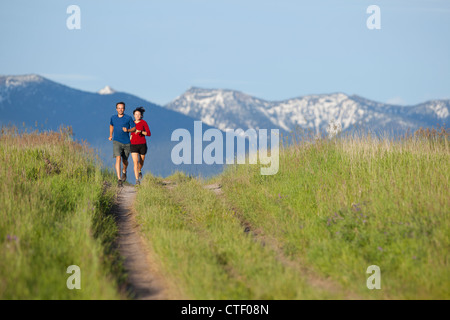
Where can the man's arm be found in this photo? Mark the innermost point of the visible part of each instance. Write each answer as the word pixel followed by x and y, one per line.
pixel 132 126
pixel 111 129
pixel 129 130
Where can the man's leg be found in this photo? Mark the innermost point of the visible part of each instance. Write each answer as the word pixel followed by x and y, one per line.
pixel 125 166
pixel 119 180
pixel 125 155
pixel 117 152
pixel 118 167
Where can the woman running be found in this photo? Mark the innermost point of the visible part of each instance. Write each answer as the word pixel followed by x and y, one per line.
pixel 138 143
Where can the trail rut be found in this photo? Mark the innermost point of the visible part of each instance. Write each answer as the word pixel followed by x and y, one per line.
pixel 143 281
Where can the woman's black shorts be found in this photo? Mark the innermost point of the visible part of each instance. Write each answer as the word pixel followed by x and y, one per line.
pixel 139 148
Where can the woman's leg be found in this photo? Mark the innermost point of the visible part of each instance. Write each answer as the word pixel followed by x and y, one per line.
pixel 141 161
pixel 141 164
pixel 136 163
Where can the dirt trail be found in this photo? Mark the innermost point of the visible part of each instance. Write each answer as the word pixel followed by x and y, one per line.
pixel 143 280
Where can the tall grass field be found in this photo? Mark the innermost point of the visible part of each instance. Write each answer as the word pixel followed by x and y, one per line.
pixel 336 207
pixel 53 215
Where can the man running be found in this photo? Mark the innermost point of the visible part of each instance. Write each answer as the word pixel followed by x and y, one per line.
pixel 120 125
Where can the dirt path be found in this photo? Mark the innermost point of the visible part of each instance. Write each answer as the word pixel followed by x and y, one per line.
pixel 143 281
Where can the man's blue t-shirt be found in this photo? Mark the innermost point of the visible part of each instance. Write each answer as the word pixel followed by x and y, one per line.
pixel 118 123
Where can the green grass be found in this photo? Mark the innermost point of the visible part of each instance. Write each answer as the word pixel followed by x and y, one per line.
pixel 203 247
pixel 334 208
pixel 344 205
pixel 53 215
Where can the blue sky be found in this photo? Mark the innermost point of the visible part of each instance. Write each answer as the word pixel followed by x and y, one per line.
pixel 274 50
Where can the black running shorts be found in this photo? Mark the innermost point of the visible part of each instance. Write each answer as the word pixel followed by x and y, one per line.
pixel 139 148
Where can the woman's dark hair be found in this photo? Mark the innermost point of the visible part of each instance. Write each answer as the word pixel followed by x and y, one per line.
pixel 141 110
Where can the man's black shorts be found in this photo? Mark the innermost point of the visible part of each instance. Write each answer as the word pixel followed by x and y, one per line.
pixel 139 148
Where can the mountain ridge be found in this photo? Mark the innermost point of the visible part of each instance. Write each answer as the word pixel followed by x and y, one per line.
pixel 219 106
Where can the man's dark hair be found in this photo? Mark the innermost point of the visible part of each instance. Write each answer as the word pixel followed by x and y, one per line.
pixel 141 110
pixel 120 103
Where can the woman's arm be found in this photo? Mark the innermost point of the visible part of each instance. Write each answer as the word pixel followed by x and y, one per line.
pixel 147 130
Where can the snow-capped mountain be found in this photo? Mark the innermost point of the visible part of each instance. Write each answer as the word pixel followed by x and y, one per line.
pixel 233 109
pixel 223 108
pixel 107 90
pixel 7 83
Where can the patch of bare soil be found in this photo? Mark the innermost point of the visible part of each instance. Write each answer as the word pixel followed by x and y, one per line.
pixel 143 281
